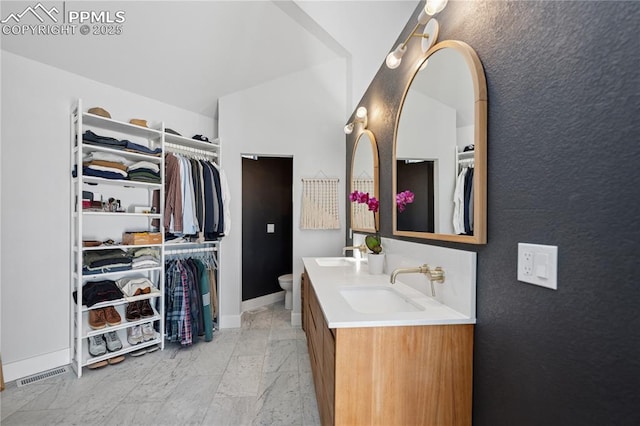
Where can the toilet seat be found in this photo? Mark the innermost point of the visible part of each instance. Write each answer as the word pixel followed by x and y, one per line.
pixel 286 277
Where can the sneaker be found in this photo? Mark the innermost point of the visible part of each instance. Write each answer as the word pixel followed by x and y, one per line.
pixel 97 319
pixel 134 335
pixel 112 316
pixel 148 333
pixel 97 346
pixel 146 311
pixel 113 341
pixel 132 313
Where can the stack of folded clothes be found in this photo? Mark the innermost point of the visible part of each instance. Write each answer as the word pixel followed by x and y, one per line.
pixel 144 171
pixel 91 138
pixel 102 261
pixel 136 286
pixel 141 149
pixel 144 257
pixel 98 291
pixel 104 165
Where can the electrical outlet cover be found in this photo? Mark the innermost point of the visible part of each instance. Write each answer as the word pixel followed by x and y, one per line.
pixel 538 264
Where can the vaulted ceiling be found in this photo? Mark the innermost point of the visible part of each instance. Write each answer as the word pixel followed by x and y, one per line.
pixel 189 53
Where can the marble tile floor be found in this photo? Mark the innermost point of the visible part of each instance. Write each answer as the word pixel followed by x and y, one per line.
pixel 255 375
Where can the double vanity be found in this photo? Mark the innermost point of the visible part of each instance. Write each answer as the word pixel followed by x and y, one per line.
pixel 389 354
pixel 382 353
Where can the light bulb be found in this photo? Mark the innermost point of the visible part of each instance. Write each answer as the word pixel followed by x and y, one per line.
pixel 361 112
pixel 348 128
pixel 394 58
pixel 434 6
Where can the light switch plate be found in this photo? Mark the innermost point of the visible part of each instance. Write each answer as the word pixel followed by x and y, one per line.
pixel 538 264
pixel 271 228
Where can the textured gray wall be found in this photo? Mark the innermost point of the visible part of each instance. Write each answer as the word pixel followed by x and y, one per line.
pixel 564 158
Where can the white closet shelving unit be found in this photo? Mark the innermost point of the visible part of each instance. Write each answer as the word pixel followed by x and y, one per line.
pixel 464 159
pixel 104 225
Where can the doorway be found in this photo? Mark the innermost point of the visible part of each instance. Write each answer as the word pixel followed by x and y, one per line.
pixel 417 176
pixel 267 223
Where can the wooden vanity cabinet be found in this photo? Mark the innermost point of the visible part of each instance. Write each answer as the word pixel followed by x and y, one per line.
pixel 404 375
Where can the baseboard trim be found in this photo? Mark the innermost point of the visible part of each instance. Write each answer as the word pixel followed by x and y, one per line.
pixel 27 367
pixel 258 302
pixel 296 319
pixel 230 321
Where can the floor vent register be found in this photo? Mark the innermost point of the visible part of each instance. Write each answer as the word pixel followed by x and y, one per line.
pixel 42 376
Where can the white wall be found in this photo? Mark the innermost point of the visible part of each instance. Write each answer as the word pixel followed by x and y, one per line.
pixel 35 189
pixel 366 29
pixel 299 115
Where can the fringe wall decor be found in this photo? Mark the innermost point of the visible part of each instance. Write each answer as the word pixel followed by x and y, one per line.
pixel 319 204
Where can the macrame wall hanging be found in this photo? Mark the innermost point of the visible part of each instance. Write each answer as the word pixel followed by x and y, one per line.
pixel 319 203
pixel 363 218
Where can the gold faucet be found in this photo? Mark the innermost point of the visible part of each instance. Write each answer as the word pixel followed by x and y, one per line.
pixel 434 274
pixel 362 247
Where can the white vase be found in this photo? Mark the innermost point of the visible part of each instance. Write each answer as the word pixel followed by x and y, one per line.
pixel 375 263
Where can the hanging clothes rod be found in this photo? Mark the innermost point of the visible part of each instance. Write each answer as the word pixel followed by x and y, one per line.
pixel 188 149
pixel 192 250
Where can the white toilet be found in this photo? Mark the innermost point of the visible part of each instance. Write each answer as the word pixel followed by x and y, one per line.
pixel 286 282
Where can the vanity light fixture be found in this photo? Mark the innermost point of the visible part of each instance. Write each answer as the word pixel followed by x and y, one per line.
pixel 361 117
pixel 429 35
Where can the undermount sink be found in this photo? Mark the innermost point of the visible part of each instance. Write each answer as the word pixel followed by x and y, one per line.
pixel 335 261
pixel 378 300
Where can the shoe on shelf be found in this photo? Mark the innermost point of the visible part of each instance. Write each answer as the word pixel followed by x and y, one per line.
pixel 113 341
pixel 97 364
pixel 148 333
pixel 112 316
pixel 146 311
pixel 152 348
pixel 97 345
pixel 132 312
pixel 97 319
pixel 116 360
pixel 139 352
pixel 134 335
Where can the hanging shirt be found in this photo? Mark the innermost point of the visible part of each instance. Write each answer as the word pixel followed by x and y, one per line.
pixel 189 225
pixel 458 203
pixel 173 194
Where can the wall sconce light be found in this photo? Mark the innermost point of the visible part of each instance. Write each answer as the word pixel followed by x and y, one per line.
pixel 429 35
pixel 361 117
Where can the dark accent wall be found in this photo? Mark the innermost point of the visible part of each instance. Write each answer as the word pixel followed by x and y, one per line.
pixel 563 157
pixel 267 185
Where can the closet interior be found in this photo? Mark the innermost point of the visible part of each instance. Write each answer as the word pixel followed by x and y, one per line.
pixel 148 213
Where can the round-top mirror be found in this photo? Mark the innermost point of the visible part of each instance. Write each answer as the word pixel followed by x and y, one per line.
pixel 440 148
pixel 364 178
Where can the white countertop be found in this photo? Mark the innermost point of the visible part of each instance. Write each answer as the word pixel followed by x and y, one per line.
pixel 328 281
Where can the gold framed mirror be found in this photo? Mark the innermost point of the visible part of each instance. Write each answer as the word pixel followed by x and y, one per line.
pixel 364 178
pixel 440 148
